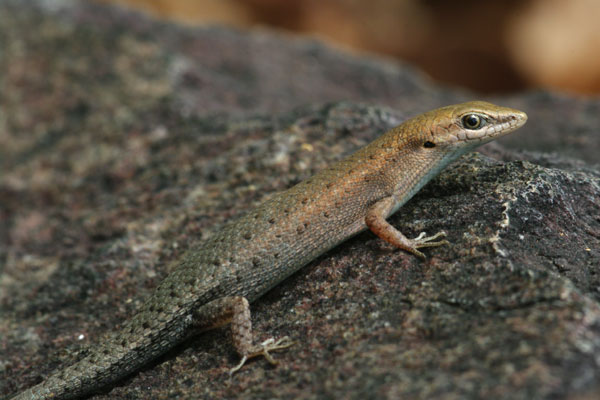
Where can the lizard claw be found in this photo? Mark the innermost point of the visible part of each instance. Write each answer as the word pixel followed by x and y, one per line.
pixel 428 241
pixel 263 350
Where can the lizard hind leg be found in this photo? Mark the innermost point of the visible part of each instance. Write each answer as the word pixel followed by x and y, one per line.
pixel 236 309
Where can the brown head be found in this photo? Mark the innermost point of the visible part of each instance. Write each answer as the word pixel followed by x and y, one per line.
pixel 421 147
pixel 465 126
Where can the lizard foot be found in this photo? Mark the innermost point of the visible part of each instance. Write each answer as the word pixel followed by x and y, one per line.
pixel 263 350
pixel 427 241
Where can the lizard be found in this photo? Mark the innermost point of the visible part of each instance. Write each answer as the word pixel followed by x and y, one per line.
pixel 213 283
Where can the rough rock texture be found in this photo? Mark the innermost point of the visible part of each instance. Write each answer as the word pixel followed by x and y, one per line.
pixel 123 140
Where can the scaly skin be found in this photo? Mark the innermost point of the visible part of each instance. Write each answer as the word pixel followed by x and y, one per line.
pixel 216 279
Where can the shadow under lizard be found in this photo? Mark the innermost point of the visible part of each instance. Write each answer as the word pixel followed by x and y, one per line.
pixel 214 281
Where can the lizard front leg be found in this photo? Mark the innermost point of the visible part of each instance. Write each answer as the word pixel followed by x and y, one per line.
pixel 236 309
pixel 375 220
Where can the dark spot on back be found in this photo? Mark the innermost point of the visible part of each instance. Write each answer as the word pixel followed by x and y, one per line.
pixel 247 236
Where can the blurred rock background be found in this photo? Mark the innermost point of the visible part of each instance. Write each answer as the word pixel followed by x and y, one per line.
pixel 492 46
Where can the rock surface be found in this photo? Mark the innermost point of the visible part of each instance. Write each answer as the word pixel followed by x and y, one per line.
pixel 124 140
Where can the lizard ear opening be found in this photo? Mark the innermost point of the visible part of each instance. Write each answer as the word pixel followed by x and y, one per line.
pixel 428 144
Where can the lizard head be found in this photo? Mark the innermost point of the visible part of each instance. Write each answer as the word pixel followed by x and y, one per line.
pixel 468 125
pixel 430 141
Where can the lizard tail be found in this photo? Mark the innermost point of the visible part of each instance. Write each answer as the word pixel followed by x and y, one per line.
pixel 123 353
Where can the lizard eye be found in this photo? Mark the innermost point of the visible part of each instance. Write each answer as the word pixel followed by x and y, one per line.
pixel 472 121
pixel 428 144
